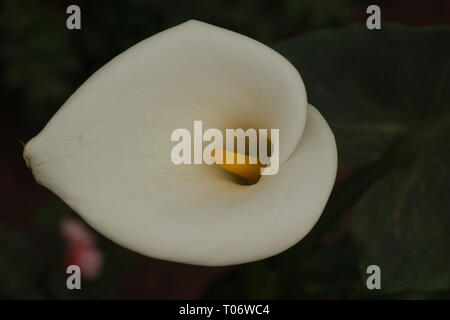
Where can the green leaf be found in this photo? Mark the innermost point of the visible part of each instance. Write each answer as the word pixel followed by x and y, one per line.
pixel 374 87
pixel 404 225
pixel 386 95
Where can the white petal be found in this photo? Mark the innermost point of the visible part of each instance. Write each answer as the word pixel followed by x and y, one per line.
pixel 106 152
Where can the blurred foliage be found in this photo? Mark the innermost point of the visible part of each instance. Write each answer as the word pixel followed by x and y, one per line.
pixel 36 58
pixel 43 62
pixel 32 262
pixel 384 93
pixel 386 96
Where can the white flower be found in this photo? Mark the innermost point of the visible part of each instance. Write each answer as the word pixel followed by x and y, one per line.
pixel 106 152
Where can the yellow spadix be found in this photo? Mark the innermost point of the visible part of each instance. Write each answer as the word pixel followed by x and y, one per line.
pixel 244 166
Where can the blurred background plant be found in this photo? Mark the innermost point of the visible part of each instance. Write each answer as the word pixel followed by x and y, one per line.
pixel 385 94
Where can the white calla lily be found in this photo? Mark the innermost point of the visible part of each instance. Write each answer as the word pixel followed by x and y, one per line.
pixel 106 152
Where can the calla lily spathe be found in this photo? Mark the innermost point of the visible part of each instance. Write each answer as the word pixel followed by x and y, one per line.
pixel 106 152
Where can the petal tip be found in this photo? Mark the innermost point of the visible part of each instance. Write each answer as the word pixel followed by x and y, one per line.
pixel 26 154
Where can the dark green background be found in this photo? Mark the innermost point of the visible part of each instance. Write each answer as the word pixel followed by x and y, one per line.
pixel 386 95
